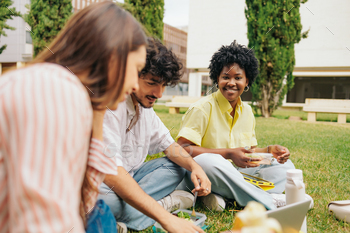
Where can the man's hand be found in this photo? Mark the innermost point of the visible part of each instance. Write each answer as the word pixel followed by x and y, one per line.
pixel 126 188
pixel 237 155
pixel 178 155
pixel 281 153
pixel 178 225
pixel 204 188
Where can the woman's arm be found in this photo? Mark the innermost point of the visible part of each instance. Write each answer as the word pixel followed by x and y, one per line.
pixel 281 153
pixel 237 155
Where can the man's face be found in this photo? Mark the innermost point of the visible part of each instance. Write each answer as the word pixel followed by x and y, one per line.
pixel 150 89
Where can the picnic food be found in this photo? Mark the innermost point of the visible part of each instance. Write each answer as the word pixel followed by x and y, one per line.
pixel 185 216
pixel 253 219
pixel 266 158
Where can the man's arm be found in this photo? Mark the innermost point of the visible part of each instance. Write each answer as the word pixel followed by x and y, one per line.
pixel 237 155
pixel 178 155
pixel 127 188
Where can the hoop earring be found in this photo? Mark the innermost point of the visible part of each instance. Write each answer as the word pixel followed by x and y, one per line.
pixel 246 89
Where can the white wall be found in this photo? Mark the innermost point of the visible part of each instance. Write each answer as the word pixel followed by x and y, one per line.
pixel 215 23
pixel 15 40
pixel 322 48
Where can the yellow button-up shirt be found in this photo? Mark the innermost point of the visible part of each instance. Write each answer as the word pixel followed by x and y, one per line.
pixel 208 123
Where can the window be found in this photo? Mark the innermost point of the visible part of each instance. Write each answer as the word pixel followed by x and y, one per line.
pixel 28 38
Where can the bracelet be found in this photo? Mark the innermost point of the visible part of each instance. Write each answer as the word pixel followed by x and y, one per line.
pixel 268 148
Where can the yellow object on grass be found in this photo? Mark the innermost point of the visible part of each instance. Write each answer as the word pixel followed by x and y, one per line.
pixel 253 219
pixel 259 182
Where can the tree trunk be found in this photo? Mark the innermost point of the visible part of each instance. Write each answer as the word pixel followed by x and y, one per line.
pixel 265 102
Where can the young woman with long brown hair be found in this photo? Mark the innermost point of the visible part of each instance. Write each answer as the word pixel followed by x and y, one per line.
pixel 51 114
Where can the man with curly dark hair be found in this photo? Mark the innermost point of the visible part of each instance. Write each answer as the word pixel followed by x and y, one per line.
pixel 220 129
pixel 143 191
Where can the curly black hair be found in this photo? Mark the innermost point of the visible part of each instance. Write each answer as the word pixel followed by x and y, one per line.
pixel 234 53
pixel 162 62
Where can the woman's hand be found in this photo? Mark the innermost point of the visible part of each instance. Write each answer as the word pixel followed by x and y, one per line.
pixel 281 153
pixel 237 155
pixel 97 124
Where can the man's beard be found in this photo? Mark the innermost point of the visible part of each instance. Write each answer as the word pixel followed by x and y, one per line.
pixel 140 102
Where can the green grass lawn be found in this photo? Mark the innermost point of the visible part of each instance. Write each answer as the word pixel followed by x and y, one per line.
pixel 321 150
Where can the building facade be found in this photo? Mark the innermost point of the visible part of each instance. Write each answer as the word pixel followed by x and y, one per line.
pixel 322 67
pixel 19 42
pixel 176 39
pixel 80 4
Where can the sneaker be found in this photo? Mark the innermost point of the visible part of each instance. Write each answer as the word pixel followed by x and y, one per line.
pixel 177 200
pixel 121 227
pixel 279 200
pixel 214 202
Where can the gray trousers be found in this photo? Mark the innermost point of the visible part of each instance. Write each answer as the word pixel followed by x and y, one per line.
pixel 229 183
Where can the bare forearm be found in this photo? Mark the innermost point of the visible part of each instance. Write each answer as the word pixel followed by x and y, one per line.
pixel 180 156
pixel 194 150
pixel 126 188
pixel 237 155
pixel 260 150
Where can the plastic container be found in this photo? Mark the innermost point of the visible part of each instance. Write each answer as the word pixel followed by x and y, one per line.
pixel 157 228
pixel 295 190
pixel 266 158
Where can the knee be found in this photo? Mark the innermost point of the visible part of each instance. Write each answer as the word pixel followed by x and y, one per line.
pixel 289 164
pixel 175 169
pixel 181 172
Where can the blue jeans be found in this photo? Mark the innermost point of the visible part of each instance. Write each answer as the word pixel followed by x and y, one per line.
pixel 101 219
pixel 158 178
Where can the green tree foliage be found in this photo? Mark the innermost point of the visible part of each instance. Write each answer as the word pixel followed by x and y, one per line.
pixel 273 28
pixel 149 13
pixel 47 18
pixel 6 13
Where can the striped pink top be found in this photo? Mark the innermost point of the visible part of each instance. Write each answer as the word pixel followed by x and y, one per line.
pixel 45 148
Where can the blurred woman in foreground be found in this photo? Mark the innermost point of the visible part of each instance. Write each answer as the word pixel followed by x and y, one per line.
pixel 51 115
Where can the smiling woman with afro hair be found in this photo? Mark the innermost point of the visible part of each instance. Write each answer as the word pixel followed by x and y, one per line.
pixel 219 131
pixel 234 53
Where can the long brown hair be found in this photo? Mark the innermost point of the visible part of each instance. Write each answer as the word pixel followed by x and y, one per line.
pixel 90 39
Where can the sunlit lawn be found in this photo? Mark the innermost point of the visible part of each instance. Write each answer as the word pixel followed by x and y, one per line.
pixel 321 150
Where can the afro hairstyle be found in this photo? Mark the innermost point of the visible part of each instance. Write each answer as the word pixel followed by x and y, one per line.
pixel 234 53
pixel 161 62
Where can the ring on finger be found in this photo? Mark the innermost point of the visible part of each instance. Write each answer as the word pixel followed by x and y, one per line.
pixel 207 189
